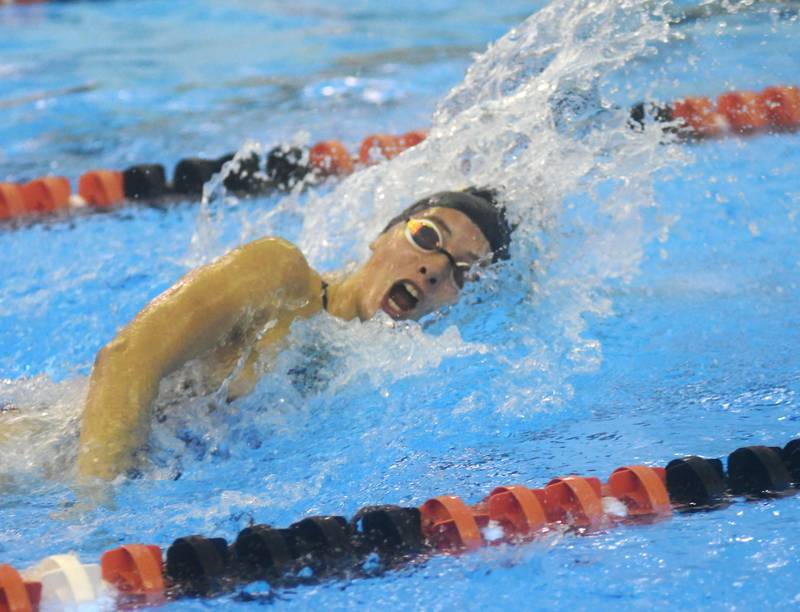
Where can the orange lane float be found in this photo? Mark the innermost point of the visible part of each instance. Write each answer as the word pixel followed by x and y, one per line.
pixel 377 147
pixel 17 595
pixel 413 138
pixel 782 105
pixel 745 111
pixel 519 510
pixel 642 489
pixel 12 201
pixel 135 570
pixel 449 523
pixel 48 194
pixel 101 188
pixel 574 500
pixel 699 117
pixel 330 158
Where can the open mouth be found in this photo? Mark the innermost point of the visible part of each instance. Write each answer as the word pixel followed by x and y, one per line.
pixel 401 299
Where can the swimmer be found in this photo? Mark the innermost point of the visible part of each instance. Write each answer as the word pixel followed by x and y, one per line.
pixel 233 313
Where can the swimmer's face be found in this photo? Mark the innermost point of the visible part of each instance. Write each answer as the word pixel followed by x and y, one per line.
pixel 420 266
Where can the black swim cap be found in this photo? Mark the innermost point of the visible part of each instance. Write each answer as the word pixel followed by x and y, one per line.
pixel 480 205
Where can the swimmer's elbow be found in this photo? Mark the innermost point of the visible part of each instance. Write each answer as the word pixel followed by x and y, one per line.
pixel 125 365
pixel 106 359
pixel 102 358
pixel 117 347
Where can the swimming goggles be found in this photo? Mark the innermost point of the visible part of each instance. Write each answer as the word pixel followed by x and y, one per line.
pixel 424 235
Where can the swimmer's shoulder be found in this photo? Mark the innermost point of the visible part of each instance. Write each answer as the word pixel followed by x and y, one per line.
pixel 271 249
pixel 276 262
pixel 271 255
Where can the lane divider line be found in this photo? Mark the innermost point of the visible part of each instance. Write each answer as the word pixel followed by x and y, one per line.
pixel 379 538
pixel 775 109
pixel 285 168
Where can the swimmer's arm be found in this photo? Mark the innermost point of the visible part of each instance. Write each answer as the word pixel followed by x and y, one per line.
pixel 247 285
pixel 262 356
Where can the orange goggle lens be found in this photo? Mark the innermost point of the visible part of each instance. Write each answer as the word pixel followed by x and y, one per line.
pixel 423 234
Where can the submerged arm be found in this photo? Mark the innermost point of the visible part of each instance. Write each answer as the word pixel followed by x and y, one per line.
pixel 262 281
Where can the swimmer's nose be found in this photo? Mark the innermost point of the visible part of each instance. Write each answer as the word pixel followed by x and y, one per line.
pixel 430 278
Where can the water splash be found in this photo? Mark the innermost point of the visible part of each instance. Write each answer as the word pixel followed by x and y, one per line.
pixel 39 428
pixel 531 118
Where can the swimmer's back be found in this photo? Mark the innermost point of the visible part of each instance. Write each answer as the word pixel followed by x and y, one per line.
pixel 247 298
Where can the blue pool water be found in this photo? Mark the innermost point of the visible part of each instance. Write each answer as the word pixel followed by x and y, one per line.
pixel 650 309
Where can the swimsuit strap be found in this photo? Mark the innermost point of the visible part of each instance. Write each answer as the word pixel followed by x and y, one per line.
pixel 324 295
